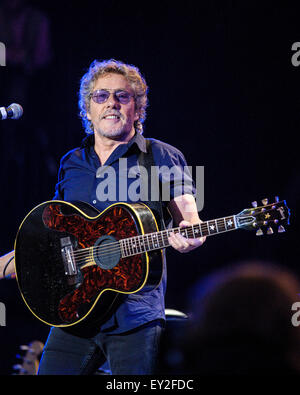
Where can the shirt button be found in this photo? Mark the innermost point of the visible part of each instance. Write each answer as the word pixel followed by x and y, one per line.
pixel 94 201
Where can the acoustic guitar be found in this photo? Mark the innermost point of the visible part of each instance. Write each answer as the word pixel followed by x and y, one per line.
pixel 73 263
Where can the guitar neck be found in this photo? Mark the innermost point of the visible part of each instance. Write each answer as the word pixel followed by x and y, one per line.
pixel 159 240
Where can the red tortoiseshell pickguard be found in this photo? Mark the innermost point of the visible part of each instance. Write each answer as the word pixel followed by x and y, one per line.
pixel 126 276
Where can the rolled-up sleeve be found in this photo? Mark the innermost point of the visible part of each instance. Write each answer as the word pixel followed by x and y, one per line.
pixel 174 174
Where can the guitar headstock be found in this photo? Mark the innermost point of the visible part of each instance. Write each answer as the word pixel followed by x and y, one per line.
pixel 265 219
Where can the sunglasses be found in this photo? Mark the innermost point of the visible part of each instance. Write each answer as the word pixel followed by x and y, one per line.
pixel 102 95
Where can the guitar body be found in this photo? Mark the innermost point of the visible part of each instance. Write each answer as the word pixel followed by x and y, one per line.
pixel 73 263
pixel 62 291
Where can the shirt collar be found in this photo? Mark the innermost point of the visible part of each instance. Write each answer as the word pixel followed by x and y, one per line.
pixel 140 141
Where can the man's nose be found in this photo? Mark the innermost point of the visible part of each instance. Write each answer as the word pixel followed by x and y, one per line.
pixel 112 101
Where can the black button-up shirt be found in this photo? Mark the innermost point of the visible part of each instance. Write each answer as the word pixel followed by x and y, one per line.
pixel 82 177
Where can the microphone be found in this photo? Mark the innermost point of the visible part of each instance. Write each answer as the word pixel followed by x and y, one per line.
pixel 14 111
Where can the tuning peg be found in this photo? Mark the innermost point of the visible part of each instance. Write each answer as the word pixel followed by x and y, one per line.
pixel 259 232
pixel 276 199
pixel 270 231
pixel 264 201
pixel 254 204
pixel 281 229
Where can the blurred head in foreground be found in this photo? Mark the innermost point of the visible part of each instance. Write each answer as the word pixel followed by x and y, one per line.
pixel 241 322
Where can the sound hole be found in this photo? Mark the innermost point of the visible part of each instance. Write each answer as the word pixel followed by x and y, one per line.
pixel 107 252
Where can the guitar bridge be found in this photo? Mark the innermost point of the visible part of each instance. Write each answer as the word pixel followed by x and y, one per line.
pixel 70 267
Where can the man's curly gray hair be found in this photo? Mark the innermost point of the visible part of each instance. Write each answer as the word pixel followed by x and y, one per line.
pixel 101 68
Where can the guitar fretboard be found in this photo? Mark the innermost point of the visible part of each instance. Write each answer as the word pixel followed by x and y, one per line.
pixel 158 240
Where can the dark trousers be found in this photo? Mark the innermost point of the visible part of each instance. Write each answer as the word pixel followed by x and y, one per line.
pixel 133 352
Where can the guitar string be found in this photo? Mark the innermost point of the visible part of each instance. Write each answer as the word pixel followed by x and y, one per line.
pixel 116 246
pixel 189 232
pixel 84 256
pixel 107 249
pixel 110 246
pixel 137 239
pixel 87 257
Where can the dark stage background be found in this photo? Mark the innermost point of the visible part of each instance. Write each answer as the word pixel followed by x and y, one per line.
pixel 222 89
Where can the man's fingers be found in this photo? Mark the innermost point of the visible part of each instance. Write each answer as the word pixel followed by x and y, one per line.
pixel 184 224
pixel 179 242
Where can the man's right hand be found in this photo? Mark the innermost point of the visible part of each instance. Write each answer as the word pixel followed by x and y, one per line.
pixel 10 269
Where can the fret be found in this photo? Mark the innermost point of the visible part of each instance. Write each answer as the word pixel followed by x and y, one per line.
pixel 212 227
pixel 168 231
pixel 221 224
pixel 153 241
pixel 159 239
pixel 193 230
pixel 204 229
pixel 133 245
pixel 125 246
pixel 140 243
pixel 148 241
pixel 183 232
pixel 144 240
pixel 156 240
pixel 165 238
pixel 235 223
pixel 229 223
pixel 208 229
pixel 197 230
pixel 122 248
pixel 188 232
pixel 162 238
pixel 128 247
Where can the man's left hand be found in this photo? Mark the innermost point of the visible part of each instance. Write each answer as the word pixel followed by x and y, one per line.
pixel 183 244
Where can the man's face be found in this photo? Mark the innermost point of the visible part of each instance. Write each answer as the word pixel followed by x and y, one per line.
pixel 113 119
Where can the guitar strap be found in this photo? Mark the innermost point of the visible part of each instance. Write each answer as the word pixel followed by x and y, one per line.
pixel 147 161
